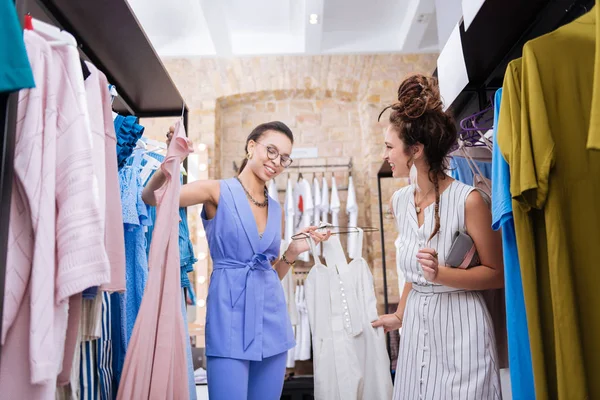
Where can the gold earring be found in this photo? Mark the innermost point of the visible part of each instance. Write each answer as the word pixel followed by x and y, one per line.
pixel 249 156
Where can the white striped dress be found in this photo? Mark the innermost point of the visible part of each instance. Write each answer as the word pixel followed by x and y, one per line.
pixel 447 345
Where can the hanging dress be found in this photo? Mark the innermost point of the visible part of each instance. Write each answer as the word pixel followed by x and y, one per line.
pixel 349 355
pixel 447 345
pixel 155 364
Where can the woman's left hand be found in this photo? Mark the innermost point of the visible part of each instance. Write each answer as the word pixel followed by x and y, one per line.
pixel 428 258
pixel 299 246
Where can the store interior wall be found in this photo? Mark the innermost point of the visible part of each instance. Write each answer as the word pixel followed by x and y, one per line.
pixel 337 97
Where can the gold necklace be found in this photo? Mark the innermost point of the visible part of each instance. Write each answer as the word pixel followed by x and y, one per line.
pixel 418 202
pixel 256 203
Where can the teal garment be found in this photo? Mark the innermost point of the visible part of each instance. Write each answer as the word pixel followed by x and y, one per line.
pixel 15 71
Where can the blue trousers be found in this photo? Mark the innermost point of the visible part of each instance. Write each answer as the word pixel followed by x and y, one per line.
pixel 231 379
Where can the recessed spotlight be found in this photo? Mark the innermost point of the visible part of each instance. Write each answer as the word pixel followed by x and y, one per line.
pixel 201 279
pixel 201 147
pixel 201 303
pixel 314 19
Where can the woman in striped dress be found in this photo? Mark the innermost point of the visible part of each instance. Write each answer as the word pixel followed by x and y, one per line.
pixel 447 345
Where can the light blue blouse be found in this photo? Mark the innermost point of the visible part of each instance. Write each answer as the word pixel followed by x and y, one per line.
pixel 247 317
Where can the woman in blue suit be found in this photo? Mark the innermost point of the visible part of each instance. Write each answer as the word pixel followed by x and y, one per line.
pixel 248 331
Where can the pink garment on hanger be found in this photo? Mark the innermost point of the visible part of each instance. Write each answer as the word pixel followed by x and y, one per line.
pixel 56 246
pixel 155 364
pixel 106 168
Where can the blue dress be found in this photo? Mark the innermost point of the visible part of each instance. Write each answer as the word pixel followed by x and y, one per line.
pixel 247 317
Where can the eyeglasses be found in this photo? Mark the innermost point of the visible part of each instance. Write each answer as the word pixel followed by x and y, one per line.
pixel 273 153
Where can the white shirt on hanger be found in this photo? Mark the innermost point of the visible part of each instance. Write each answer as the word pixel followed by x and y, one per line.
pixel 273 192
pixel 334 204
pixel 303 218
pixel 289 293
pixel 325 201
pixel 298 347
pixel 317 209
pixel 290 212
pixel 350 356
pixel 352 211
pixel 305 344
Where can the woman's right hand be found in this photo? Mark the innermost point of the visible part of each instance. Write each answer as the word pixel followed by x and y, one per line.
pixel 390 322
pixel 170 133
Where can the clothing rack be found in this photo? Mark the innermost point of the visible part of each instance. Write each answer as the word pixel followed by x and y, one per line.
pixel 110 36
pixel 325 166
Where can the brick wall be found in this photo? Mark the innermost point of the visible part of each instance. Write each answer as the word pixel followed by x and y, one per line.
pixel 330 102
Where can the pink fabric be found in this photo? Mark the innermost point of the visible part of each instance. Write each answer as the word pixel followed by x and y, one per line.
pixel 106 171
pixel 115 244
pixel 56 248
pixel 155 364
pixel 71 342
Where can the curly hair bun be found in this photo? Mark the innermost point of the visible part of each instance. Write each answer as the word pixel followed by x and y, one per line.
pixel 417 95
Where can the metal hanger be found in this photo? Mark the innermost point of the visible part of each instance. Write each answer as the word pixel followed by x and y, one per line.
pixel 344 230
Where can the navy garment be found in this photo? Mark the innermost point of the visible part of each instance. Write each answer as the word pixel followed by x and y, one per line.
pixel 247 317
pixel 519 351
pixel 460 170
pixel 128 133
pixel 15 70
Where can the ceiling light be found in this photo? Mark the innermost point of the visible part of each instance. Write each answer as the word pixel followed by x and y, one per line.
pixel 314 19
pixel 201 279
pixel 201 303
pixel 203 167
pixel 201 147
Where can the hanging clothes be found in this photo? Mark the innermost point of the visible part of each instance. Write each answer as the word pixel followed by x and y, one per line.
pixel 155 365
pixel 188 350
pixel 350 357
pixel 325 202
pixel 334 204
pixel 290 212
pixel 303 199
pixel 288 292
pixel 15 70
pixel 303 345
pixel 187 257
pixel 317 209
pixel 273 192
pixel 129 131
pixel 443 327
pixel 559 229
pixel 593 141
pixel 352 211
pixel 519 351
pixel 105 164
pixel 135 220
pixel 55 247
pixel 461 171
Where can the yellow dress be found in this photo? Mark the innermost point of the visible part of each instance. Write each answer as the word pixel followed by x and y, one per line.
pixel 594 134
pixel 554 181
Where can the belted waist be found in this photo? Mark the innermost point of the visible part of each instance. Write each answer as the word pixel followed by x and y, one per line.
pixel 246 282
pixel 435 289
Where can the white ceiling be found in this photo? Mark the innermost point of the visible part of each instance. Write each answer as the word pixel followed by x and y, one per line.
pixel 225 28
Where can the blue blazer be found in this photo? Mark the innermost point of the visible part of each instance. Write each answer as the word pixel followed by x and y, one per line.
pixel 247 315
